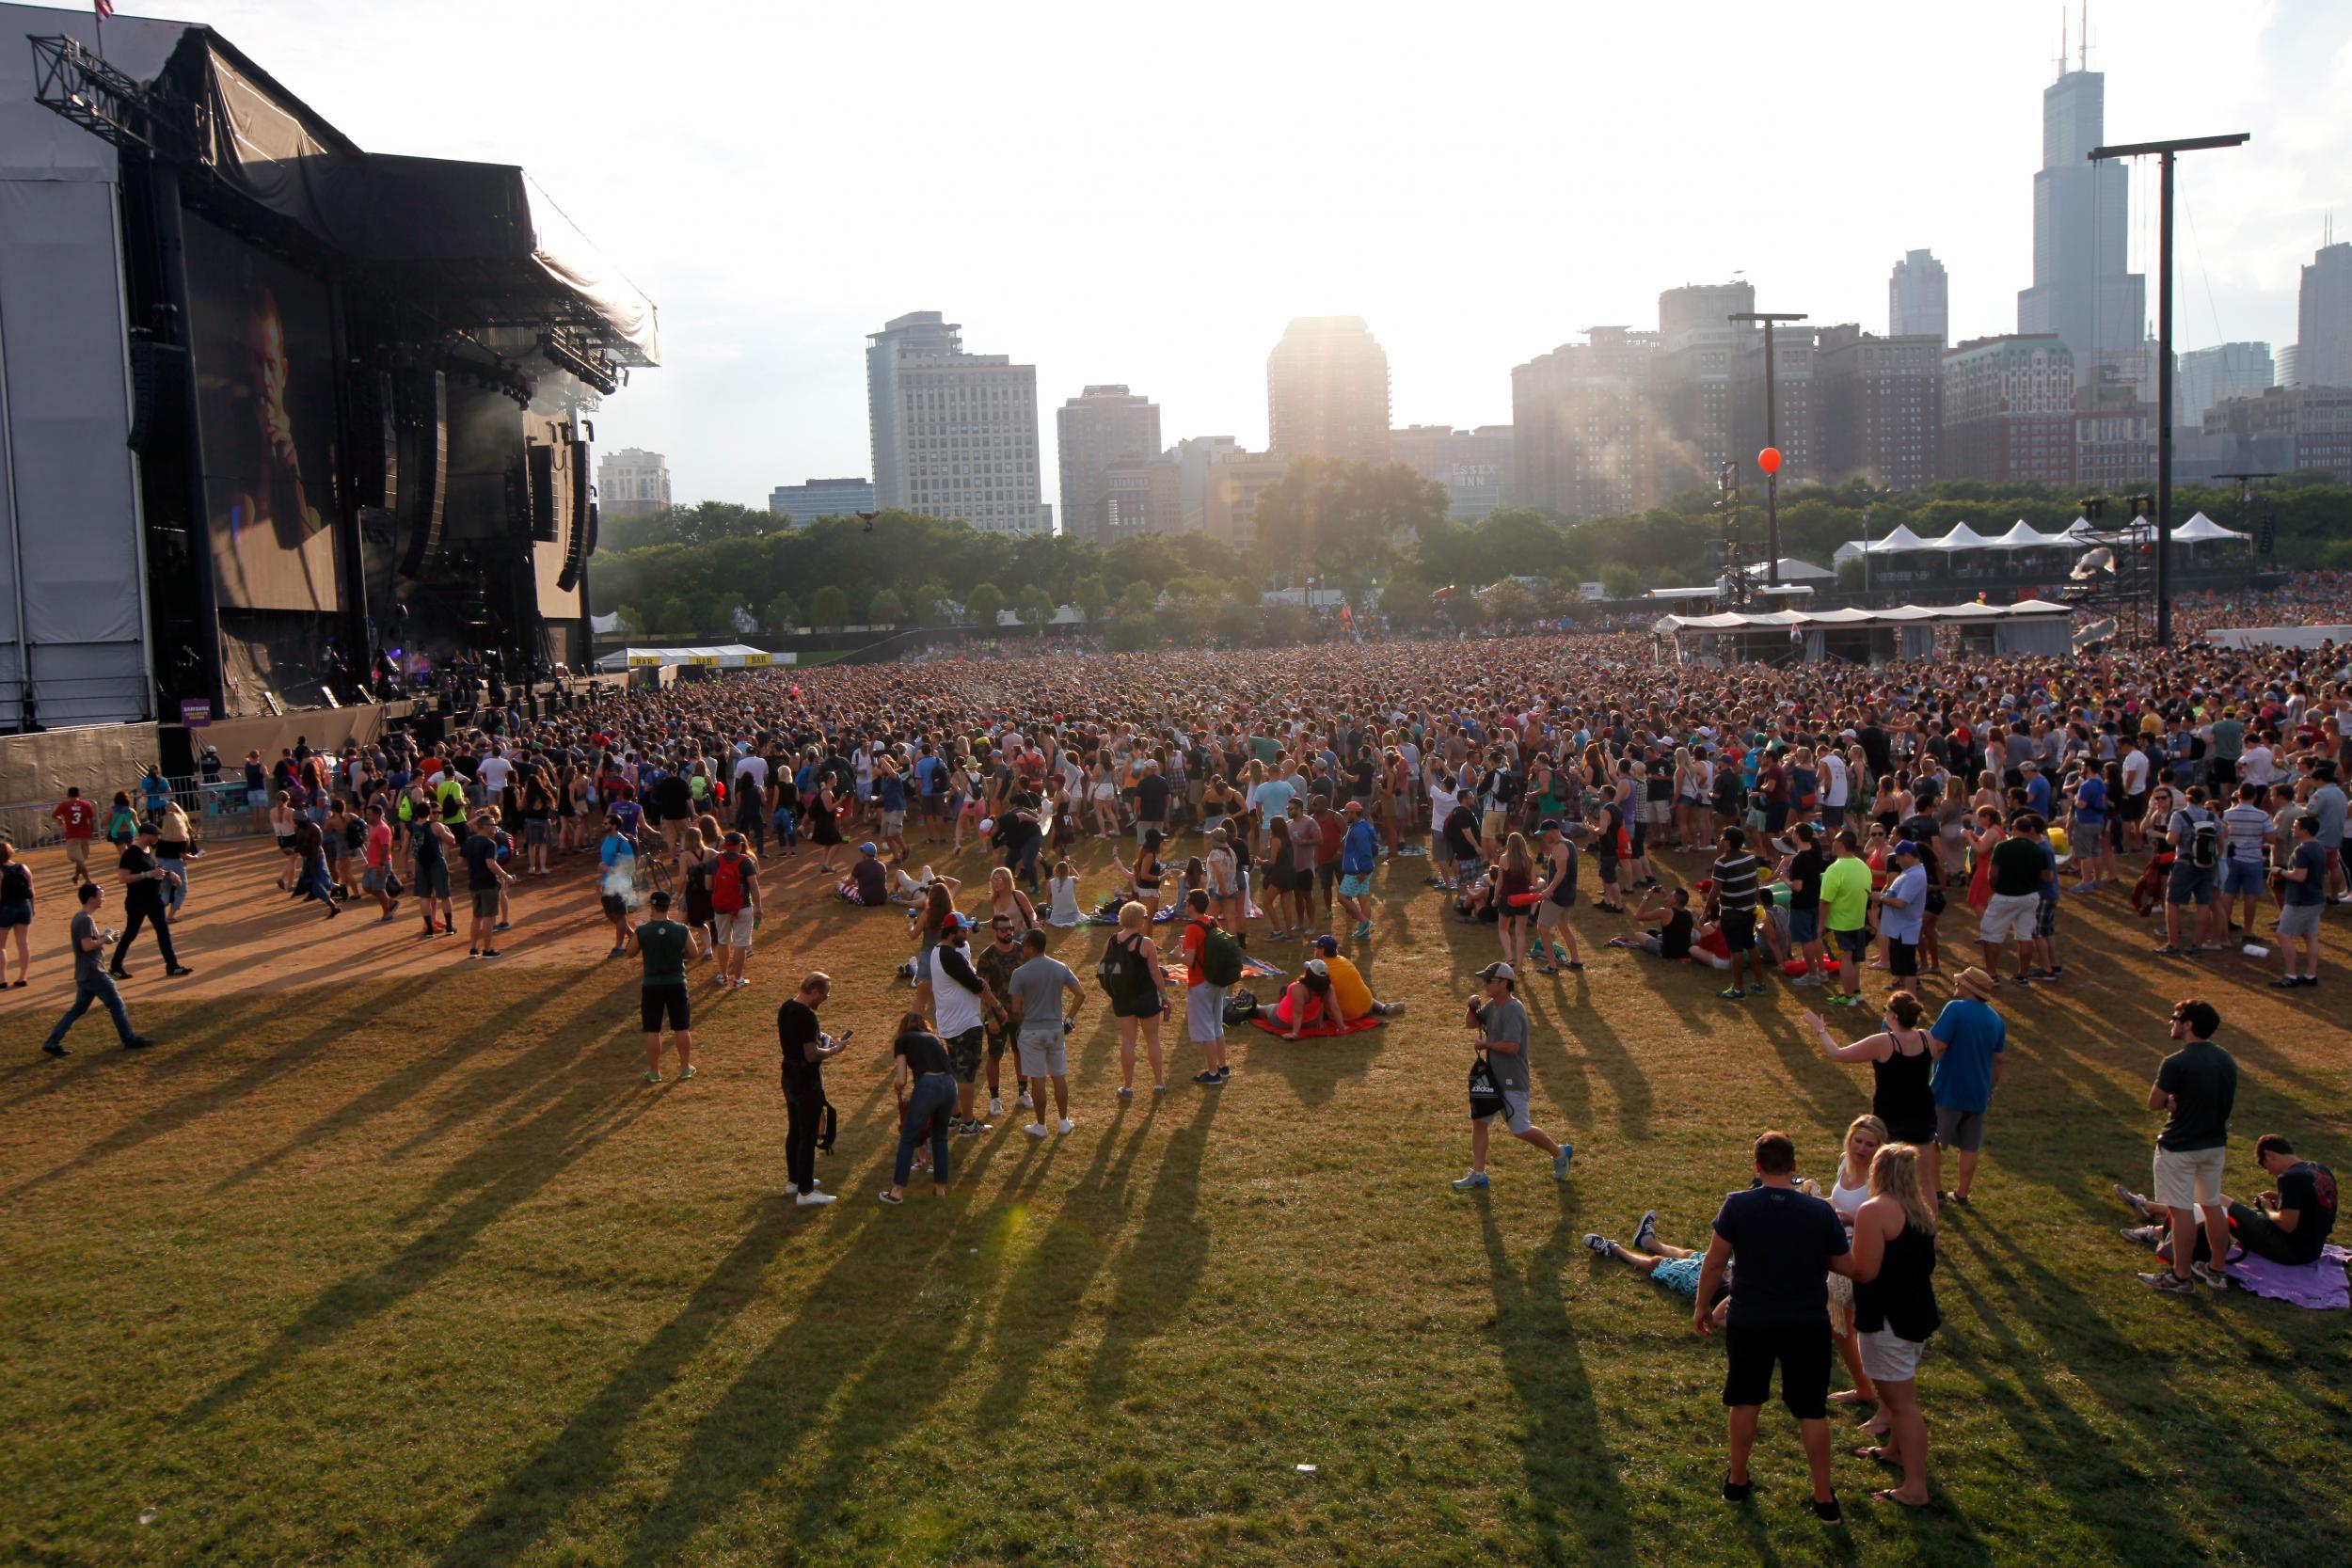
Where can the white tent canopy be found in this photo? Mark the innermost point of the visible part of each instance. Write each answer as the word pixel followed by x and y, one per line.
pixel 1794 570
pixel 1962 537
pixel 2201 527
pixel 724 655
pixel 2023 535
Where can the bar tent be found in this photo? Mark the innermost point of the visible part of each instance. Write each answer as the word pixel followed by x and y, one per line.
pixel 724 655
pixel 2029 627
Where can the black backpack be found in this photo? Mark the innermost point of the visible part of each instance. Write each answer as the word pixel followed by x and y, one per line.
pixel 2205 841
pixel 1122 972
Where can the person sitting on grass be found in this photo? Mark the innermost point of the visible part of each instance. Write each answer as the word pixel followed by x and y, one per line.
pixel 1676 1268
pixel 1675 930
pixel 1351 993
pixel 1306 1002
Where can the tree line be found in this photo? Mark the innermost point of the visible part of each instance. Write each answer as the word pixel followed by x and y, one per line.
pixel 716 570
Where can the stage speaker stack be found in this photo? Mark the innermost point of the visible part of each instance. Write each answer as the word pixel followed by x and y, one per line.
pixel 158 371
pixel 542 500
pixel 432 479
pixel 575 530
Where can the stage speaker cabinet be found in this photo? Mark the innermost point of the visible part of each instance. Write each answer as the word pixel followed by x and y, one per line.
pixel 385 426
pixel 540 470
pixel 577 524
pixel 158 372
pixel 432 479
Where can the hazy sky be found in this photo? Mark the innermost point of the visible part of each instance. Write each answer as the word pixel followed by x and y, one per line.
pixel 1147 193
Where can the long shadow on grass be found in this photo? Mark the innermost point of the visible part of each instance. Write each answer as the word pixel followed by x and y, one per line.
pixel 1571 1476
pixel 398 1089
pixel 504 1171
pixel 885 1313
pixel 1161 1265
pixel 283 1062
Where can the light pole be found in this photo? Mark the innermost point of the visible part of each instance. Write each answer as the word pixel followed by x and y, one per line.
pixel 2164 151
pixel 1772 438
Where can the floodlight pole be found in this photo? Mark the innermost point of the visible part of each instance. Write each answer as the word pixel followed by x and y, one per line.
pixel 2164 153
pixel 1771 437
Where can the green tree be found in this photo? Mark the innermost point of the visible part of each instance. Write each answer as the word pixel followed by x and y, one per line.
pixel 1137 598
pixel 984 604
pixel 781 615
pixel 830 607
pixel 1090 595
pixel 1670 576
pixel 1509 603
pixel 886 610
pixel 1035 610
pixel 1619 580
pixel 1342 520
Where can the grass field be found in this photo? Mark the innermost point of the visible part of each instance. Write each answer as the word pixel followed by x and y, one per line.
pixel 397 1263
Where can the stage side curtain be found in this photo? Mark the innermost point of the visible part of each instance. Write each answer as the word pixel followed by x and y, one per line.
pixel 1814 645
pixel 72 529
pixel 1919 640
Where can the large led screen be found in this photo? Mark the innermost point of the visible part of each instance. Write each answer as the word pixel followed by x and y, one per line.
pixel 266 393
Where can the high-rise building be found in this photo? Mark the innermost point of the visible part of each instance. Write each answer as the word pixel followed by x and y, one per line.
pixel 2205 376
pixel 2115 437
pixel 954 434
pixel 1194 455
pixel 1588 426
pixel 2009 410
pixel 1475 466
pixel 632 482
pixel 2287 428
pixel 1918 299
pixel 1877 406
pixel 1792 427
pixel 1702 355
pixel 1326 386
pixel 2082 291
pixel 1101 426
pixel 1229 500
pixel 2324 320
pixel 1142 495
pixel 2287 364
pixel 822 498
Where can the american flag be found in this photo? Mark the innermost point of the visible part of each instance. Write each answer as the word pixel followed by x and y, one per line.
pixel 105 8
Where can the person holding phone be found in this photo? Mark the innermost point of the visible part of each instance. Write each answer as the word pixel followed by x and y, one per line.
pixel 807 1050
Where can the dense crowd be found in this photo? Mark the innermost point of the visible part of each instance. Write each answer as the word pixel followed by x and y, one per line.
pixel 1860 832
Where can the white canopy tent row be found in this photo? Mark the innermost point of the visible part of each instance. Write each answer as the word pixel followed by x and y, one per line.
pixel 724 655
pixel 2022 535
pixel 2031 626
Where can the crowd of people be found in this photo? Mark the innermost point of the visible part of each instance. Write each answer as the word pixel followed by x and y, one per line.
pixel 1859 832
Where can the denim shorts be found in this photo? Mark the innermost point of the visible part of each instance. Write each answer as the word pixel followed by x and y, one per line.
pixel 2241 879
pixel 1804 925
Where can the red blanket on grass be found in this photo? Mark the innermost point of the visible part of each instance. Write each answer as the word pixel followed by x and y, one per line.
pixel 1317 1031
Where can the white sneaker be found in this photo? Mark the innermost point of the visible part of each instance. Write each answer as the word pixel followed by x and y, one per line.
pixel 1035 1128
pixel 995 1106
pixel 1067 1126
pixel 1026 1104
pixel 812 1200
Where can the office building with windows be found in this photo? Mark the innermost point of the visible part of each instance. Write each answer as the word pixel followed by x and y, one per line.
pixel 822 498
pixel 954 434
pixel 632 482
pixel 1327 391
pixel 1100 427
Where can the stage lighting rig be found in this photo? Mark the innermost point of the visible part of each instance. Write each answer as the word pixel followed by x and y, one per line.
pixel 567 350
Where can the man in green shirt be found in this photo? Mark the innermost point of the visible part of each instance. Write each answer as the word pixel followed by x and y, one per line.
pixel 665 945
pixel 1845 916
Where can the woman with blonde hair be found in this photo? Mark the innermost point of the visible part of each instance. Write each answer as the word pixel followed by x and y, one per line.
pixel 1865 1135
pixel 1227 898
pixel 1894 1311
pixel 1133 958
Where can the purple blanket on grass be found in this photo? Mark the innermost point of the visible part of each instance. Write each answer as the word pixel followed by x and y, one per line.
pixel 2318 1286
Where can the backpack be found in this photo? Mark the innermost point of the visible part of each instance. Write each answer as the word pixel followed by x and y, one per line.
pixel 726 884
pixel 1241 1006
pixel 2204 842
pixel 1220 956
pixel 1122 974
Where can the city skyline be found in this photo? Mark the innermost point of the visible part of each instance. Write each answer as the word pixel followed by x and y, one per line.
pixel 764 326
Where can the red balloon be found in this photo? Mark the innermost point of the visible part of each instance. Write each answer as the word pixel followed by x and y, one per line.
pixel 1769 460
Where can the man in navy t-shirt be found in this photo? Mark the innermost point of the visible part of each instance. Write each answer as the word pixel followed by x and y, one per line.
pixel 1785 1242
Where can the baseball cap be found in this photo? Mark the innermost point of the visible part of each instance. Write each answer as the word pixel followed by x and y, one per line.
pixel 1498 970
pixel 1319 968
pixel 1326 944
pixel 1905 846
pixel 953 921
pixel 865 848
pixel 1548 825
